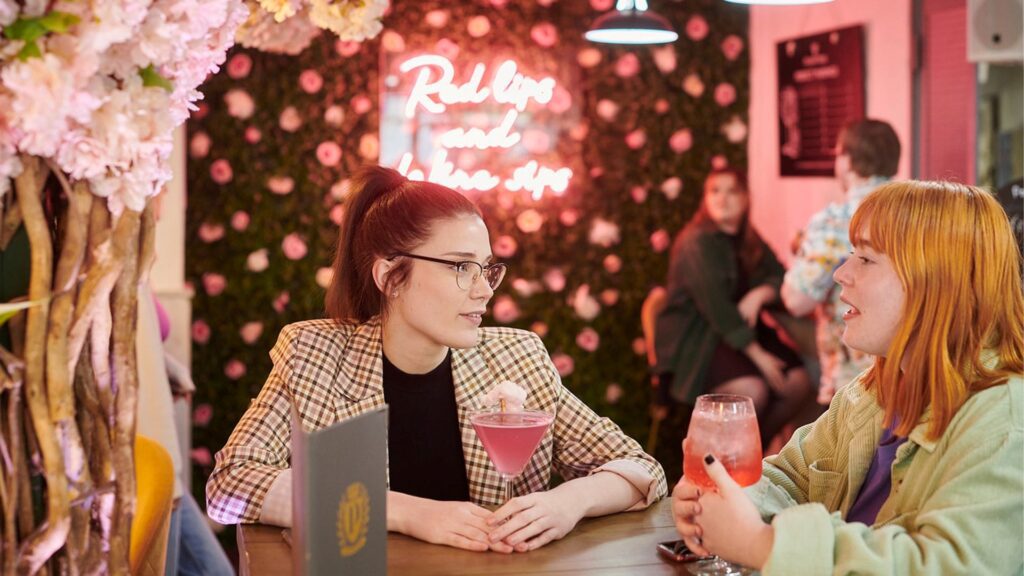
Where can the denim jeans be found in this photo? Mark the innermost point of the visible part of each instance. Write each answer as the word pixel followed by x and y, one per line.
pixel 193 549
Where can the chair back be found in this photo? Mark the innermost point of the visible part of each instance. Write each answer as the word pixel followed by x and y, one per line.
pixel 653 304
pixel 154 485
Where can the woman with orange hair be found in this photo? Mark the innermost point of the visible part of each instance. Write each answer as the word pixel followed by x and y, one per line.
pixel 918 465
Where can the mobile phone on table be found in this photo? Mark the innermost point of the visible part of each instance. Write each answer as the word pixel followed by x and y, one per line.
pixel 677 551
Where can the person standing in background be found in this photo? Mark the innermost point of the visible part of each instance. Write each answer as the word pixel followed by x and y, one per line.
pixel 867 155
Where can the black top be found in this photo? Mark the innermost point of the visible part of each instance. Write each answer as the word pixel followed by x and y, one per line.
pixel 424 441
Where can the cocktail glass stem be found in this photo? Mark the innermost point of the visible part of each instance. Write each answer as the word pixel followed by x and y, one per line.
pixel 506 480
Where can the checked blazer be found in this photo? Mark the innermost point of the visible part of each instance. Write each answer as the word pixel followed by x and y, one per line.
pixel 332 371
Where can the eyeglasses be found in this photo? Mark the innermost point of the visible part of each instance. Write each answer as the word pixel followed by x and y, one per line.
pixel 467 272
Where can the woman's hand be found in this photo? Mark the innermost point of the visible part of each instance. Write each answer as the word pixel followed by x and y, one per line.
pixel 685 509
pixel 750 305
pixel 533 520
pixel 729 523
pixel 457 524
pixel 769 365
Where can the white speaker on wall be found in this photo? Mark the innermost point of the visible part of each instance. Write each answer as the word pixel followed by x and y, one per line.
pixel 995 30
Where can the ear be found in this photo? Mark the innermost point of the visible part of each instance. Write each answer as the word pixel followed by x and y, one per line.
pixel 381 268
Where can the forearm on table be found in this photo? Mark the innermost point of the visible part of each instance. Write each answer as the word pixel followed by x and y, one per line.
pixel 599 494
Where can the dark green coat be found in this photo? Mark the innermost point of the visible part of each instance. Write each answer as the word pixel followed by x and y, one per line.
pixel 700 311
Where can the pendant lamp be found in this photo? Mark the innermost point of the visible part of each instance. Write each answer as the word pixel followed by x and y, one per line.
pixel 631 23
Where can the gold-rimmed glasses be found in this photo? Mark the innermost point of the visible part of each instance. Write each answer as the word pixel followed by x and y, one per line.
pixel 467 272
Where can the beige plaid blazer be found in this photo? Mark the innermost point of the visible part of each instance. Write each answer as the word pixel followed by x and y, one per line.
pixel 331 372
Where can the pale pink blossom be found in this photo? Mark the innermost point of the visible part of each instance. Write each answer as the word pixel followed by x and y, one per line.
pixel 202 415
pixel 526 288
pixel 290 121
pixel 341 189
pixel 478 26
pixel 214 283
pixel 564 363
pixel 251 332
pixel 240 104
pixel 504 246
pixel 589 57
pixel 732 47
pixel 612 264
pixel 513 394
pixel 613 393
pixel 281 302
pixel 609 296
pixel 280 185
pixel 681 140
pixel 447 48
pixel 240 220
pixel 257 261
pixel 220 171
pixel 361 104
pixel 200 332
pixel 328 153
pixel 436 18
pixel 735 130
pixel 369 146
pixel 239 66
pixel 725 94
pixel 529 221
pixel 665 58
pixel 536 141
pixel 638 193
pixel 693 85
pixel 294 247
pixel 636 139
pixel 234 369
pixel 539 328
pixel 588 339
pixel 627 66
pixel 199 145
pixel 337 214
pixel 671 187
pixel 324 277
pixel 660 241
pixel 334 115
pixel 586 306
pixel 607 109
pixel 554 279
pixel 569 217
pixel 661 106
pixel 210 232
pixel 544 34
pixel 603 232
pixel 82 156
pixel 719 161
pixel 201 456
pixel 697 28
pixel 310 81
pixel 505 310
pixel 253 135
pixel 347 48
pixel 392 41
pixel 561 100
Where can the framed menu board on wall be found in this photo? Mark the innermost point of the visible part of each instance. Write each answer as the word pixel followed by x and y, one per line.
pixel 821 87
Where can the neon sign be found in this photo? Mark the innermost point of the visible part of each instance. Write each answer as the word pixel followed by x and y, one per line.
pixel 434 89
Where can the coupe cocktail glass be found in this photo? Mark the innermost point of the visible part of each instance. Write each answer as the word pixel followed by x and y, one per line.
pixel 510 439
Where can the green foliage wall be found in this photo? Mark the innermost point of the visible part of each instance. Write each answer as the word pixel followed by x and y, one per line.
pixel 264 198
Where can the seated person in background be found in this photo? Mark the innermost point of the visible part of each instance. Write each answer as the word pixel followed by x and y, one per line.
pixel 868 154
pixel 709 337
pixel 916 468
pixel 412 278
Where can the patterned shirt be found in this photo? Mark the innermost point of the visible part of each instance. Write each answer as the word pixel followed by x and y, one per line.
pixel 333 371
pixel 825 246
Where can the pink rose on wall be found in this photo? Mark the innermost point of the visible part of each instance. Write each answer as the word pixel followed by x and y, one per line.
pixel 596 171
pixel 220 171
pixel 361 104
pixel 257 261
pixel 672 187
pixel 589 57
pixel 436 18
pixel 240 220
pixel 447 48
pixel 544 34
pixel 281 302
pixel 210 232
pixel 579 132
pixel 328 153
pixel 568 217
pixel 607 109
pixel 369 146
pixel 202 415
pixel 199 146
pixel 725 94
pixel 294 247
pixel 200 332
pixel 214 283
pixel 627 66
pixel 697 28
pixel 392 41
pixel 564 364
pixel 234 369
pixel 661 106
pixel 324 276
pixel 251 332
pixel 337 214
pixel 588 339
pixel 240 104
pixel 334 115
pixel 613 393
pixel 526 288
pixel 253 135
pixel 290 121
pixel 585 305
pixel 636 139
pixel 561 101
pixel 612 264
pixel 603 232
pixel 681 141
pixel 639 347
pixel 505 246
pixel 735 130
pixel 609 296
pixel 639 194
pixel 539 328
pixel 546 3
pixel 665 58
pixel 505 310
pixel 554 279
pixel 478 26
pixel 693 85
pixel 201 456
pixel 718 162
pixel 660 241
pixel 239 66
pixel 499 3
pixel 732 47
pixel 310 81
pixel 602 5
pixel 529 221
pixel 201 111
pixel 280 185
pixel 347 48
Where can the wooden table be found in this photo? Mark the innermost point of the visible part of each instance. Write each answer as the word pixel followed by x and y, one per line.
pixel 617 544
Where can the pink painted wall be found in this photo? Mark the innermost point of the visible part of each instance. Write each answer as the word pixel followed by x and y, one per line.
pixel 782 206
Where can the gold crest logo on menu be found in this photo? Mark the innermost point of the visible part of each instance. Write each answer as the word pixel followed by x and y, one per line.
pixel 353 518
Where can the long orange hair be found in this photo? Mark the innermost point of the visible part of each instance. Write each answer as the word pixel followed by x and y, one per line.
pixel 959 264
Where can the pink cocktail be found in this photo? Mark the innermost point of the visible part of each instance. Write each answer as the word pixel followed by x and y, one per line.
pixel 510 439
